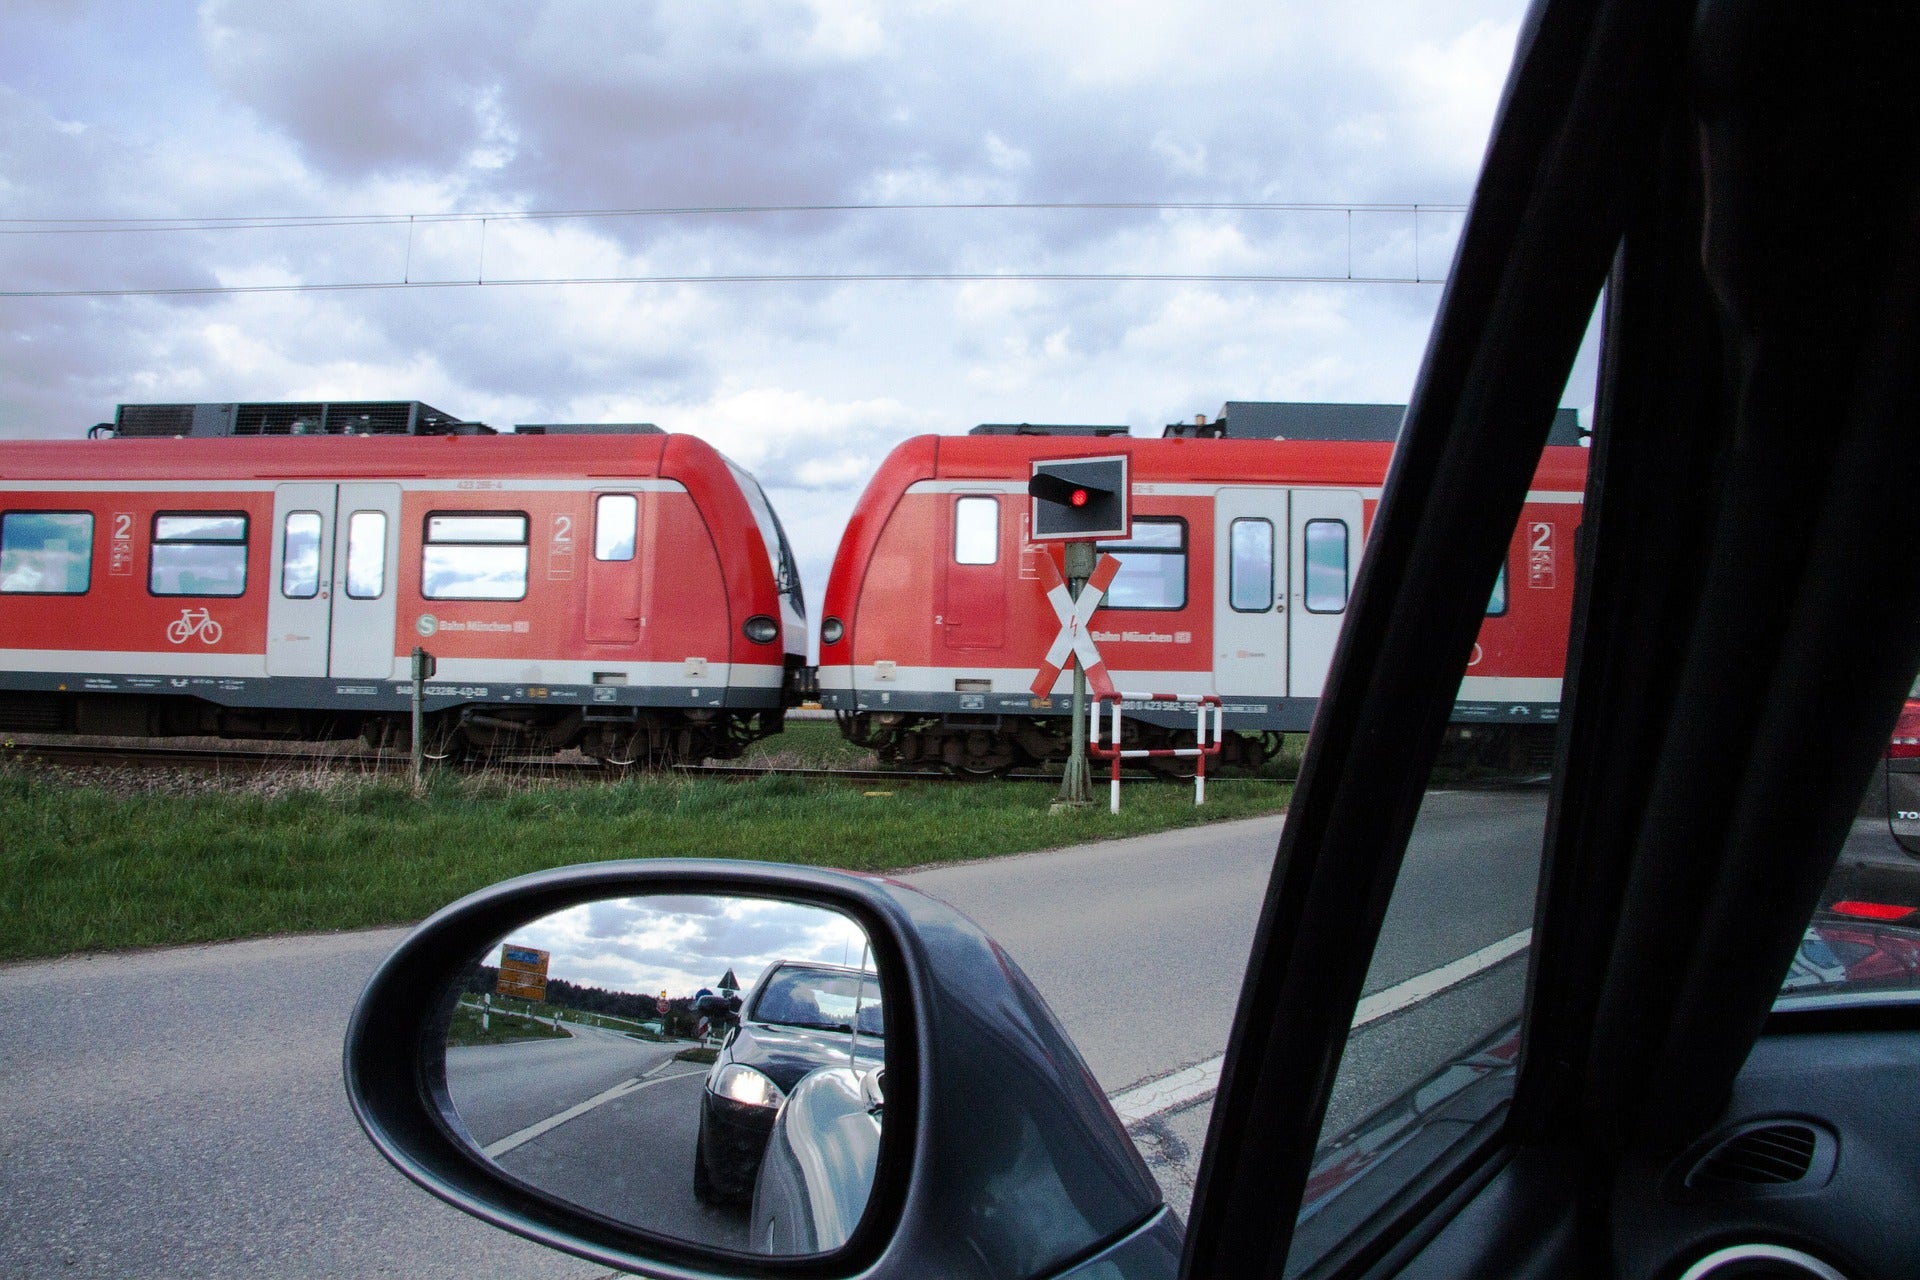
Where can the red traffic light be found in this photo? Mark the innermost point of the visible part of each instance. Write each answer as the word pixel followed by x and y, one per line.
pixel 1079 498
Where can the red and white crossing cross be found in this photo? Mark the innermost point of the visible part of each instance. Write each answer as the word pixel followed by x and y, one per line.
pixel 1075 642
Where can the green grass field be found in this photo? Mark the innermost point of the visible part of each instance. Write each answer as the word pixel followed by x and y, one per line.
pixel 84 868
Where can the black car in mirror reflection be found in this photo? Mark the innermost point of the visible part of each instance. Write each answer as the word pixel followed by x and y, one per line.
pixel 798 1019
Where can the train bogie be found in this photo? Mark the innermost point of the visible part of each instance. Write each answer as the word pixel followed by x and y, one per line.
pixel 629 595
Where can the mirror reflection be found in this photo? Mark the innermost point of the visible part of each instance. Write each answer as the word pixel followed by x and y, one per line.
pixel 709 1068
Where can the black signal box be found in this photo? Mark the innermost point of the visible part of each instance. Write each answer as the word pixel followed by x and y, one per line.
pixel 1080 499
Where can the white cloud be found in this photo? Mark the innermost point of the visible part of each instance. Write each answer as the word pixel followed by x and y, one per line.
pixel 679 944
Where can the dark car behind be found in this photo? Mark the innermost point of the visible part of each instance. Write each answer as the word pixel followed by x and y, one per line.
pixel 798 1018
pixel 1877 876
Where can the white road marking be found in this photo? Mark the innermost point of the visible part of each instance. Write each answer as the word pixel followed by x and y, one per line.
pixel 1202 1080
pixel 494 1150
pixel 1144 1101
pixel 1405 995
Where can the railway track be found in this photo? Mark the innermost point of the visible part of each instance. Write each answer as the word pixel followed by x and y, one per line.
pixel 248 760
pixel 289 758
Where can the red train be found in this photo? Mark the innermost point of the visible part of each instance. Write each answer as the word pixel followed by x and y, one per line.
pixel 1234 582
pixel 625 591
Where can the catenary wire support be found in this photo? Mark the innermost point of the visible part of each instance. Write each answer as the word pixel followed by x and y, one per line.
pixel 1205 746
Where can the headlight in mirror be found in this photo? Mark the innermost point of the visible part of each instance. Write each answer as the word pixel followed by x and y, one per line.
pixel 744 1084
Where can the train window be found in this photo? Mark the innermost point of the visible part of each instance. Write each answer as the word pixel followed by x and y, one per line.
pixel 786 575
pixel 1497 603
pixel 300 556
pixel 1153 565
pixel 198 553
pixel 442 527
pixel 1325 556
pixel 46 553
pixel 1250 569
pixel 616 520
pixel 976 530
pixel 366 555
pixel 475 557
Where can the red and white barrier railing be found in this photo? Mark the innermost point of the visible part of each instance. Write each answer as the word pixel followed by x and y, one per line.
pixel 1204 746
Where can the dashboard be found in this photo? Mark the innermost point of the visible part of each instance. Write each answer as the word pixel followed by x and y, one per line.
pixel 1817 1154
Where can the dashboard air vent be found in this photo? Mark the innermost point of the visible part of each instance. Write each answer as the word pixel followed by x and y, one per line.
pixel 1760 1262
pixel 1765 1156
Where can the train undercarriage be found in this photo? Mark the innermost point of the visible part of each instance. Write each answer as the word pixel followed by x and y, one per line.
pixel 992 746
pixel 626 737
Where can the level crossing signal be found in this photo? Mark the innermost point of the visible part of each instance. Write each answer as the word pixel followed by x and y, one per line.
pixel 1080 499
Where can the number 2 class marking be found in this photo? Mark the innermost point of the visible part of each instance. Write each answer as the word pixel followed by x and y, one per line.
pixel 1540 567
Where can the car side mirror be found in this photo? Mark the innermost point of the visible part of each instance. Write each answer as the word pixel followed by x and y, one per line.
pixel 894 1099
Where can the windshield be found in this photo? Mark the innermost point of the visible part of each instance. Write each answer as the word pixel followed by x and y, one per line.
pixel 826 1000
pixel 786 578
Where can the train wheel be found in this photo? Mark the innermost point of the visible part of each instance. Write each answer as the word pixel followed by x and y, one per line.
pixel 1174 768
pixel 622 755
pixel 444 743
pixel 635 752
pixel 981 772
pixel 978 753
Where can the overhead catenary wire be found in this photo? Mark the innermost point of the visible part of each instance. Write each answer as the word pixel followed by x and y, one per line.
pixel 103 225
pixel 926 277
pixel 89 226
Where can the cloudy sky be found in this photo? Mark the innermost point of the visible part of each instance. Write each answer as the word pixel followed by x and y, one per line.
pixel 360 126
pixel 681 944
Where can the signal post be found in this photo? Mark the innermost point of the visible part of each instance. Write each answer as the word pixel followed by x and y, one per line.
pixel 1078 501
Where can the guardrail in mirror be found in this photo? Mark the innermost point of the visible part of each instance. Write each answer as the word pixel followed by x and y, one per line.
pixel 706 1068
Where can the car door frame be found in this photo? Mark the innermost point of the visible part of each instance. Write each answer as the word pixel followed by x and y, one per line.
pixel 1596 92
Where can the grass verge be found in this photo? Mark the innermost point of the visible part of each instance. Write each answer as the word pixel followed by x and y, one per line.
pixel 502 1027
pixel 85 868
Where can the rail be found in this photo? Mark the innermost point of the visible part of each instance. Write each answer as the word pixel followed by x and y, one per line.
pixel 243 760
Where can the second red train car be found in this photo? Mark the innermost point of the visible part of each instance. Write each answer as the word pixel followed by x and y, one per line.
pixel 1234 582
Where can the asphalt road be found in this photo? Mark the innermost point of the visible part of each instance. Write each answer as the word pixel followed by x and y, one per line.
pixel 1140 947
pixel 500 1089
pixel 627 1114
pixel 179 1112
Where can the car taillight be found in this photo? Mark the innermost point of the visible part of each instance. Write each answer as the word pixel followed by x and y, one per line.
pixel 1906 733
pixel 1872 910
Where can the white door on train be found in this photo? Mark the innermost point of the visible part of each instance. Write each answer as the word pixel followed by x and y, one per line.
pixel 366 564
pixel 1325 532
pixel 1250 592
pixel 299 599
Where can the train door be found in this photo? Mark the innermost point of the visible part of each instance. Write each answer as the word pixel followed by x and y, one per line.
pixel 613 572
pixel 973 607
pixel 1324 530
pixel 1250 591
pixel 366 558
pixel 299 608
